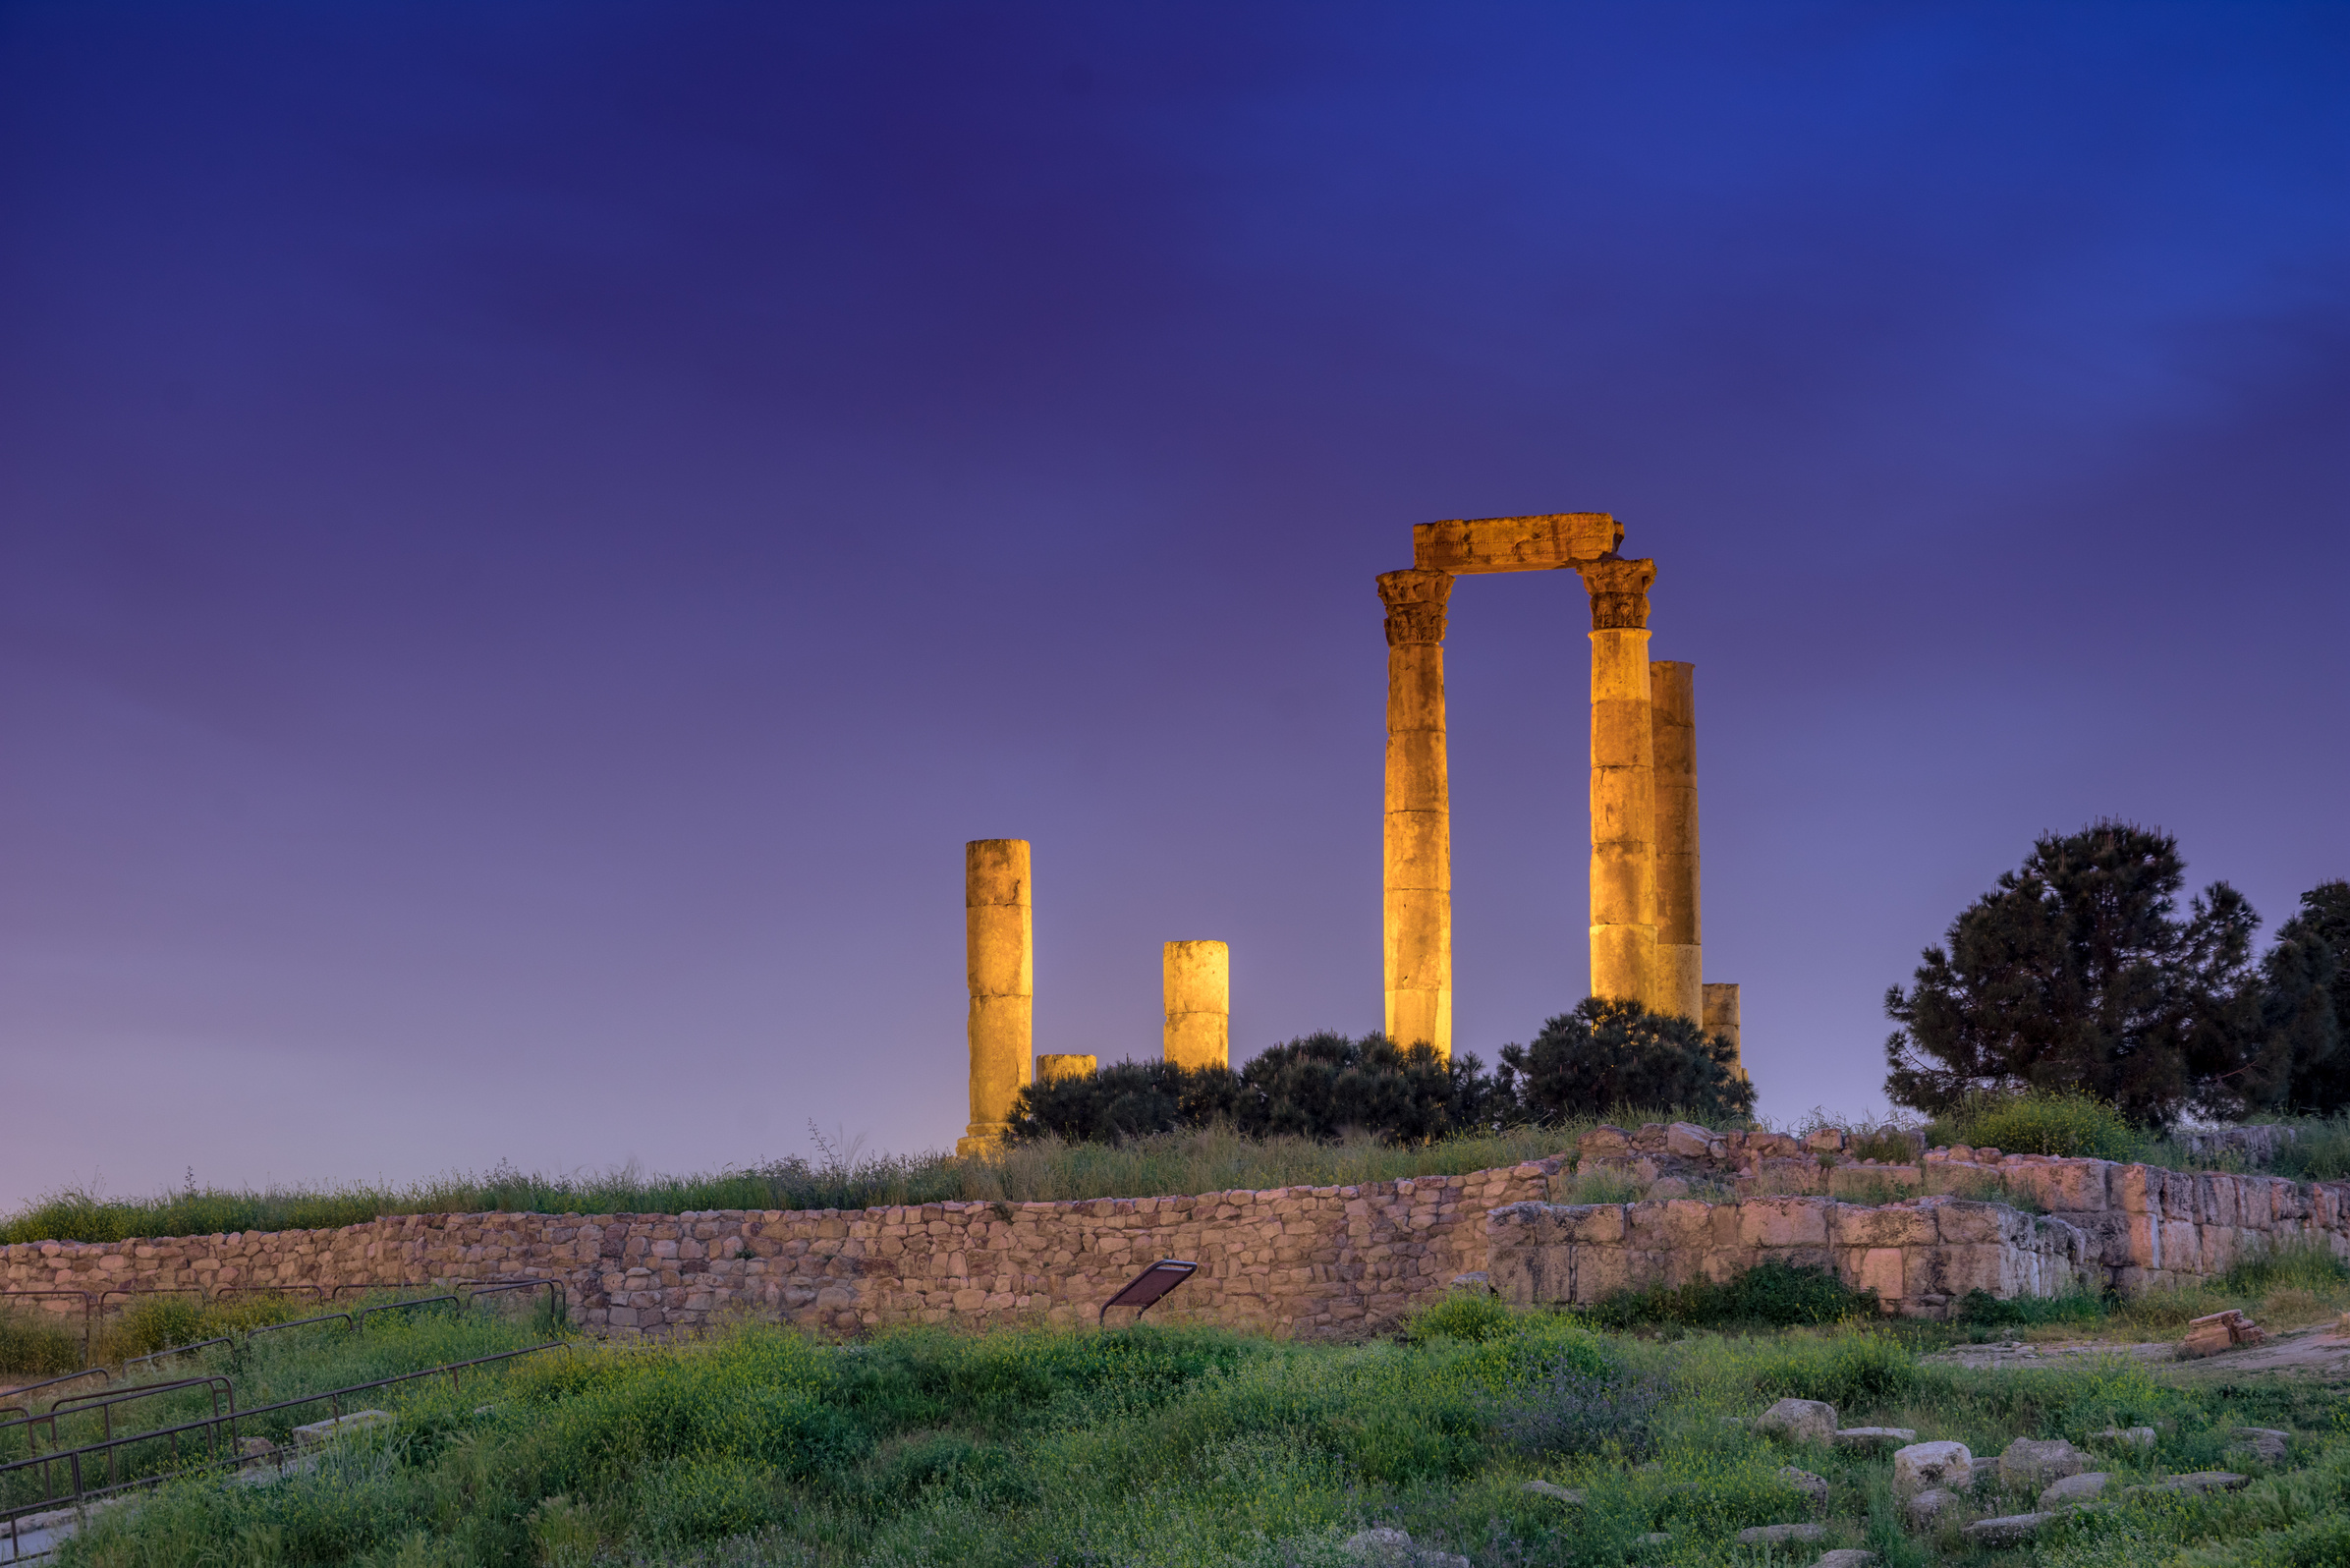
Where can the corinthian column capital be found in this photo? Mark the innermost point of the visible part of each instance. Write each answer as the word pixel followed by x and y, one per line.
pixel 1415 602
pixel 1619 590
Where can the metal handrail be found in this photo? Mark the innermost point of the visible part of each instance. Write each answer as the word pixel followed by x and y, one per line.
pixel 221 1292
pixel 176 1350
pixel 211 1425
pixel 349 1322
pixel 404 1306
pixel 82 1295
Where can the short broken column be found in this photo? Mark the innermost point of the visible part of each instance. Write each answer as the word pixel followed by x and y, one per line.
pixel 1680 924
pixel 1198 986
pixel 1721 1018
pixel 999 950
pixel 1417 836
pixel 1623 785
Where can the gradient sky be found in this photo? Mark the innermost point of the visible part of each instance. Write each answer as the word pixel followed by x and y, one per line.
pixel 531 534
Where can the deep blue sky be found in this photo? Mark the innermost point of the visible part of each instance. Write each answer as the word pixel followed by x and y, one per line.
pixel 529 535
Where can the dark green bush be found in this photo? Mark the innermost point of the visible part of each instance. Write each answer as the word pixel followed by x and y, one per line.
pixel 1322 1085
pixel 2040 1122
pixel 1472 1315
pixel 1569 1411
pixel 1983 1309
pixel 1772 1295
pixel 1607 1053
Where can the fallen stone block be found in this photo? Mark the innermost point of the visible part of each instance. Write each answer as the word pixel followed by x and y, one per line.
pixel 2074 1491
pixel 1395 1548
pixel 319 1431
pixel 1922 1466
pixel 1874 1439
pixel 1814 1487
pixel 1920 1511
pixel 2130 1437
pixel 2266 1443
pixel 1779 1535
pixel 1800 1420
pixel 1846 1557
pixel 2008 1530
pixel 1551 1488
pixel 2030 1463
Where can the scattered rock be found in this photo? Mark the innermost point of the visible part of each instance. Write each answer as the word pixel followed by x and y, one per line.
pixel 1801 1421
pixel 2266 1443
pixel 1394 1548
pixel 1776 1534
pixel 1874 1439
pixel 1926 1507
pixel 2195 1482
pixel 1846 1557
pixel 1548 1489
pixel 2008 1530
pixel 318 1431
pixel 1814 1487
pixel 2209 1335
pixel 1478 1283
pixel 1922 1466
pixel 2030 1463
pixel 1655 1538
pixel 2074 1491
pixel 1668 1187
pixel 2133 1437
pixel 1690 1141
pixel 249 1449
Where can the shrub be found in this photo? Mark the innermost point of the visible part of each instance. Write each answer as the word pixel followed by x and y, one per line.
pixel 2302 1262
pixel 1771 1294
pixel 2061 1122
pixel 1464 1314
pixel 35 1343
pixel 1982 1309
pixel 1570 1412
pixel 1619 1053
pixel 1850 1369
pixel 1320 1085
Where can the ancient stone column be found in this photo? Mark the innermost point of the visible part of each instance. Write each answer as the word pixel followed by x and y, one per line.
pixel 1623 785
pixel 999 946
pixel 1680 928
pixel 1721 1018
pixel 1418 912
pixel 1052 1069
pixel 1198 993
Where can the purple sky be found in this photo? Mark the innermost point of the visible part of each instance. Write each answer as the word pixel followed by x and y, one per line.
pixel 530 535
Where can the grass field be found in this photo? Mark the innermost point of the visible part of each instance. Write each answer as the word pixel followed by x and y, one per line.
pixel 1152 1446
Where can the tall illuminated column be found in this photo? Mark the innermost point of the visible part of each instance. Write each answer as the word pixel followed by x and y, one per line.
pixel 1623 785
pixel 1680 921
pixel 1722 1018
pixel 1197 987
pixel 1417 837
pixel 999 948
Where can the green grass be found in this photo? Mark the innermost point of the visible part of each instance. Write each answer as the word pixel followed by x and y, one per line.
pixel 1770 1295
pixel 1204 1161
pixel 1152 1446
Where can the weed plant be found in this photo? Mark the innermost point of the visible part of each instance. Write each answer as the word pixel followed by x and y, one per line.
pixel 1769 1295
pixel 37 1344
pixel 2040 1122
pixel 1157 1445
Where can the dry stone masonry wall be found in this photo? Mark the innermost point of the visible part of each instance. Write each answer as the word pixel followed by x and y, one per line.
pixel 1309 1262
pixel 1305 1262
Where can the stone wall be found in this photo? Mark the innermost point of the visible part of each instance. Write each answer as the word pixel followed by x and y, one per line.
pixel 2146 1226
pixel 1310 1262
pixel 1919 1257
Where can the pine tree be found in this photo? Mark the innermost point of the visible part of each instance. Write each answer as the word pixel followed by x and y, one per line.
pixel 2076 973
pixel 2305 1007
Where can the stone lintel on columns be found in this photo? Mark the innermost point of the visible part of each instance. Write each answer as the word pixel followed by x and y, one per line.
pixel 1544 543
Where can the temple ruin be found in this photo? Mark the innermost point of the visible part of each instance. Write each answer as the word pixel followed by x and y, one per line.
pixel 1647 926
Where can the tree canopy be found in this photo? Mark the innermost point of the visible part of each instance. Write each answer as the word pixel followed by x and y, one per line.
pixel 2078 972
pixel 1607 1053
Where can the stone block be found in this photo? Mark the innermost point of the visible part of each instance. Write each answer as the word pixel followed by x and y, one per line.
pixel 1802 1421
pixel 1846 1557
pixel 2126 1436
pixel 2008 1530
pixel 1814 1489
pixel 1922 1467
pixel 1922 1509
pixel 1784 1222
pixel 2264 1443
pixel 2074 1491
pixel 1874 1439
pixel 1780 1535
pixel 2030 1463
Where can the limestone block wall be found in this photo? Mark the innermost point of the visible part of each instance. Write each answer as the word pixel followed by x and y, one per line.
pixel 1919 1257
pixel 2146 1226
pixel 1309 1262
